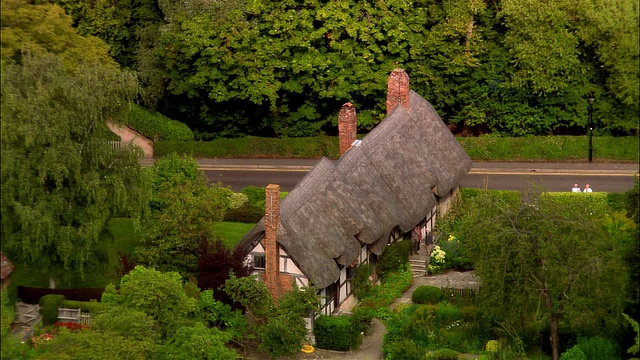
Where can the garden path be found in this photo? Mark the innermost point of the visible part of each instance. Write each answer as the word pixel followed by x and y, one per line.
pixel 371 348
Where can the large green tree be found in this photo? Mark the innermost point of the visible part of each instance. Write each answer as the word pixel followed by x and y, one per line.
pixel 548 259
pixel 61 178
pixel 41 27
pixel 284 68
pixel 184 208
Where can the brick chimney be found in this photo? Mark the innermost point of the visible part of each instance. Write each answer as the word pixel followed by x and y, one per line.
pixel 347 127
pixel 271 222
pixel 397 90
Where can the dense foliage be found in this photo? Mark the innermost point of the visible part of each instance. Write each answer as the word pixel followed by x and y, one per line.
pixel 61 179
pixel 285 67
pixel 157 126
pixel 183 209
pixel 278 322
pixel 427 295
pixel 557 256
pixel 336 333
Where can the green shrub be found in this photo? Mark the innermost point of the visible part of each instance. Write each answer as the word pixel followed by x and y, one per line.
pixel 157 126
pixel 461 264
pixel 470 313
pixel 446 314
pixel 283 336
pixel 403 350
pixel 49 305
pixel 245 214
pixel 394 258
pixel 256 196
pixel 598 348
pixel 427 294
pixel 360 283
pixel 336 333
pixel 361 320
pixel 575 353
pixel 421 325
pixel 443 354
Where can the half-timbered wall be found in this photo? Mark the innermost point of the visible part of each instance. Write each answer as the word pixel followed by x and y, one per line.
pixel 285 265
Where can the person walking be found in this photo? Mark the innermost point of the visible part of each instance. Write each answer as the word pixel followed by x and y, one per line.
pixel 587 188
pixel 576 188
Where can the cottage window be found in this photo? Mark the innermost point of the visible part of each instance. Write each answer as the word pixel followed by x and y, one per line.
pixel 351 273
pixel 259 261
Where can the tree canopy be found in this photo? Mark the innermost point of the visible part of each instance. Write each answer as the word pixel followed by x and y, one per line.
pixel 61 178
pixel 284 68
pixel 550 260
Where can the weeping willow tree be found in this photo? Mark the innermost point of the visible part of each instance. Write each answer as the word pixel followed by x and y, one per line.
pixel 62 179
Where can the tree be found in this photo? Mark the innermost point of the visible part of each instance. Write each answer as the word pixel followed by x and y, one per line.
pixel 184 209
pixel 198 342
pixel 281 326
pixel 157 294
pixel 61 179
pixel 547 258
pixel 41 27
pixel 215 265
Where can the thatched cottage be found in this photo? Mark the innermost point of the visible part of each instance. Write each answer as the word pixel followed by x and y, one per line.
pixel 345 212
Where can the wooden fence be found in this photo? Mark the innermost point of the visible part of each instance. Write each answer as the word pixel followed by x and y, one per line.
pixel 74 316
pixel 468 296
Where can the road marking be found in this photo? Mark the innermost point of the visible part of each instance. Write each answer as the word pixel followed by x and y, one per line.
pixel 472 172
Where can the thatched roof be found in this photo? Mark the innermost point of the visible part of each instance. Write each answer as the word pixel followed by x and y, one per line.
pixel 6 267
pixel 390 179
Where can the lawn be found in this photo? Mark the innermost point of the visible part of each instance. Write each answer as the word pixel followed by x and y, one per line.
pixel 231 232
pixel 124 238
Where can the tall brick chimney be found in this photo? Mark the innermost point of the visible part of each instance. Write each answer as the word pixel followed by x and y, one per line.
pixel 347 127
pixel 397 90
pixel 272 256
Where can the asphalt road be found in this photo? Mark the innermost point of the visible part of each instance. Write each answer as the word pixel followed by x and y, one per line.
pixel 550 177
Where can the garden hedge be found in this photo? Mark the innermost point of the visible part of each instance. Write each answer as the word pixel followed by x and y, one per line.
pixel 156 126
pixel 49 305
pixel 336 333
pixel 485 148
pixel 427 294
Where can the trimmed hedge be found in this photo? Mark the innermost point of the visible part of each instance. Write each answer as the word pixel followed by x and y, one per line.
pixel 245 214
pixel 251 146
pixel 427 294
pixel 337 333
pixel 157 126
pixel 486 148
pixel 550 148
pixel 49 305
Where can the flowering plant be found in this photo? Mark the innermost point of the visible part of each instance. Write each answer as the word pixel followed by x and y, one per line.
pixel 70 325
pixel 438 255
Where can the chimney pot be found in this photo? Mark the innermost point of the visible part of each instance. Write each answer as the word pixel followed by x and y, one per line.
pixel 397 90
pixel 347 127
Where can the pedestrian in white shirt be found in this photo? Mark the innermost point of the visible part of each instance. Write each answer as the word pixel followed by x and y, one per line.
pixel 576 188
pixel 587 188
